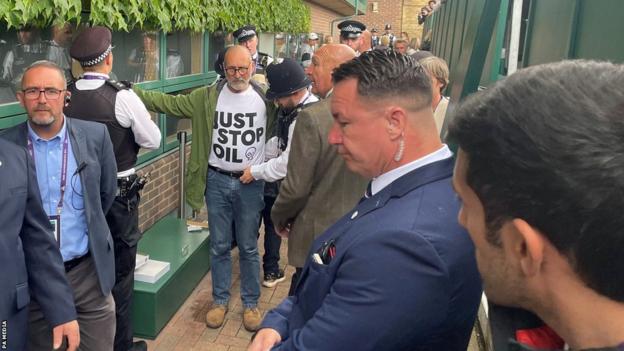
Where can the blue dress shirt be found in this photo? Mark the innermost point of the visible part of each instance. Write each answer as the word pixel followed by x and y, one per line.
pixel 48 155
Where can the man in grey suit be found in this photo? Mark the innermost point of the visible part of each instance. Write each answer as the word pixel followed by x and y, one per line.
pixel 29 256
pixel 318 187
pixel 76 174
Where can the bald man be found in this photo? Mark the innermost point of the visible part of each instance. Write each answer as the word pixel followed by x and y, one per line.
pixel 237 110
pixel 316 174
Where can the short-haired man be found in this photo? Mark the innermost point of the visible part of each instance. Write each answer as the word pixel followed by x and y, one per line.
pixel 97 98
pixel 29 255
pixel 289 88
pixel 248 37
pixel 400 46
pixel 539 172
pixel 230 121
pixel 316 175
pixel 350 34
pixel 388 32
pixel 76 176
pixel 397 272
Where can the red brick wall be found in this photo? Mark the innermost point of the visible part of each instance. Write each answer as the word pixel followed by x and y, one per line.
pixel 400 14
pixel 320 20
pixel 160 195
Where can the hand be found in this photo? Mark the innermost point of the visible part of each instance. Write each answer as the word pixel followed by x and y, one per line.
pixel 69 329
pixel 265 339
pixel 283 231
pixel 247 177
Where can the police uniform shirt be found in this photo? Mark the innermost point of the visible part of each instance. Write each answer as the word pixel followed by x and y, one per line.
pixel 129 112
pixel 275 168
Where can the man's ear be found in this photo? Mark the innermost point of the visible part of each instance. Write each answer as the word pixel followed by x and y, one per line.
pixel 20 98
pixel 525 244
pixel 397 120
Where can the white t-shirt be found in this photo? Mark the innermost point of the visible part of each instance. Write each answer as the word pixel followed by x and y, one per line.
pixel 239 130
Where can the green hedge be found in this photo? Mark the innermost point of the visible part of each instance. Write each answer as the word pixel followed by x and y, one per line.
pixel 166 15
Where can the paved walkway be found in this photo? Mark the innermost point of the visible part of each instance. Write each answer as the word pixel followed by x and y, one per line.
pixel 187 331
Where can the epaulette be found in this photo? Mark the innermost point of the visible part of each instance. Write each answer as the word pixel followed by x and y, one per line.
pixel 119 85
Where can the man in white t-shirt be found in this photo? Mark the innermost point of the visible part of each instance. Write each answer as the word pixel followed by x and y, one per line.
pixel 230 122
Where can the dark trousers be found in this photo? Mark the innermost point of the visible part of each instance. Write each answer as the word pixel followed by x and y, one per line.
pixel 123 221
pixel 272 241
pixel 96 313
pixel 295 280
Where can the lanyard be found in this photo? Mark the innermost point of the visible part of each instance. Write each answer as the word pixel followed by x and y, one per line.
pixel 59 206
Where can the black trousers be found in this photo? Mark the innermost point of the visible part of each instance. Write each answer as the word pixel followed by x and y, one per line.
pixel 123 221
pixel 272 241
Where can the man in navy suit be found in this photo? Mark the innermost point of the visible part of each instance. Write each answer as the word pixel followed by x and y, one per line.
pixel 29 256
pixel 76 174
pixel 397 272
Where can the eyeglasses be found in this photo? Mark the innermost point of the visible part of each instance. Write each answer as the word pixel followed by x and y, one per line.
pixel 232 70
pixel 49 93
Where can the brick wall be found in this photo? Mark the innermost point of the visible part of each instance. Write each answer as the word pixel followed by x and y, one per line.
pixel 160 195
pixel 321 18
pixel 400 14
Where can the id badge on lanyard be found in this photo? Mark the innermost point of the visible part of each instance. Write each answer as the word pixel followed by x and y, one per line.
pixel 55 221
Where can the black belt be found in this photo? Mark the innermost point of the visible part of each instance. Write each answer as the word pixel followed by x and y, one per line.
pixel 71 264
pixel 233 174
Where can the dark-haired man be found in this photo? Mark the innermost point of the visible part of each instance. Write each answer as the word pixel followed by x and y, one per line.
pixel 539 172
pixel 289 88
pixel 397 272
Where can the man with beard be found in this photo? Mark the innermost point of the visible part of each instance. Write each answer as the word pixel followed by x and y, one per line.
pixel 289 88
pixel 76 174
pixel 230 121
pixel 318 187
pixel 539 173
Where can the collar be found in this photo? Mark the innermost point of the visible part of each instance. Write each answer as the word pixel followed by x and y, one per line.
pixel 95 74
pixel 308 98
pixel 33 136
pixel 377 184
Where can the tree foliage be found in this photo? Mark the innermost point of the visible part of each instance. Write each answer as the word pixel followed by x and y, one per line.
pixel 166 15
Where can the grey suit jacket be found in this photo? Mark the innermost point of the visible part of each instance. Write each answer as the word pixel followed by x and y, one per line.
pixel 318 188
pixel 30 260
pixel 92 146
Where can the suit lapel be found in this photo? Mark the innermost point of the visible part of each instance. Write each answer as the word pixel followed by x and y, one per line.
pixel 77 140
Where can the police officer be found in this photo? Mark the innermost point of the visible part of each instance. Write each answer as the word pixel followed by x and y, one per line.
pixel 351 34
pixel 28 49
pixel 247 37
pixel 96 97
pixel 388 30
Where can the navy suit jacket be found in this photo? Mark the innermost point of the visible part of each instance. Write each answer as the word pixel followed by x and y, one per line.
pixel 404 276
pixel 92 146
pixel 29 256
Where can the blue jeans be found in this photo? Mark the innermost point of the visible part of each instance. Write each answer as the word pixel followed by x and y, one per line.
pixel 230 201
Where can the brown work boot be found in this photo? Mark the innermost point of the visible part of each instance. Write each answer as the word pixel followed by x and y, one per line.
pixel 216 315
pixel 252 319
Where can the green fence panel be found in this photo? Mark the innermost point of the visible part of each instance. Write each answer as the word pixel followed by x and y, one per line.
pixel 599 29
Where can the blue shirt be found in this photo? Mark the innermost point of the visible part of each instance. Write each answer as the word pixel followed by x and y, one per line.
pixel 48 155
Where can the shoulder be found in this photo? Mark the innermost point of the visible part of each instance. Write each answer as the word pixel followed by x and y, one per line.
pixel 117 85
pixel 85 126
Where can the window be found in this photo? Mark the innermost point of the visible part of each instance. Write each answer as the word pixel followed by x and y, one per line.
pixel 184 54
